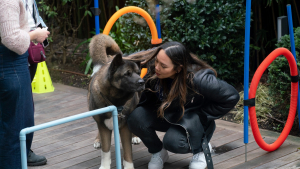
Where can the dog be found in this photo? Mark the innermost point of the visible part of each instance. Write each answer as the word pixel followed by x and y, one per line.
pixel 115 81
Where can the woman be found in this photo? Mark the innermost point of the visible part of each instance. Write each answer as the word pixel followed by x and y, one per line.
pixel 16 102
pixel 183 97
pixel 34 21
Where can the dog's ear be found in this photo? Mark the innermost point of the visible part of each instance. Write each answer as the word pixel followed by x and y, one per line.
pixel 115 63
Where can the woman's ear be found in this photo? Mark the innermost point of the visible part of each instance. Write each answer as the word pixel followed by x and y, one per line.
pixel 179 68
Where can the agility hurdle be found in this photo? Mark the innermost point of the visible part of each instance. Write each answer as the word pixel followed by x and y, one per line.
pixel 112 109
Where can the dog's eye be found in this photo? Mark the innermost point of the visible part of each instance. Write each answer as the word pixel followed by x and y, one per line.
pixel 128 73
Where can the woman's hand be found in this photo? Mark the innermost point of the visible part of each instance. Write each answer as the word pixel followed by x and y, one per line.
pixel 39 35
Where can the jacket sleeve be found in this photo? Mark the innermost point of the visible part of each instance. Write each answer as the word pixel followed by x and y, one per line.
pixel 220 97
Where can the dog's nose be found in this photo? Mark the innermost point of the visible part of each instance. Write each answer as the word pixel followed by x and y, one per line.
pixel 141 82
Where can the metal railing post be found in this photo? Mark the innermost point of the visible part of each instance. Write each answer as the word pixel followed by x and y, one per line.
pixel 28 130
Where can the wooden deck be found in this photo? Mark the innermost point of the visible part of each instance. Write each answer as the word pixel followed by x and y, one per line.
pixel 70 145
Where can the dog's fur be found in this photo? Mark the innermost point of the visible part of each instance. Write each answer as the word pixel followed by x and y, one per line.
pixel 119 82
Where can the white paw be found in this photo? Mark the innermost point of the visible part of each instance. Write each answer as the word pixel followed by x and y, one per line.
pixel 136 140
pixel 105 160
pixel 127 165
pixel 97 145
pixel 102 167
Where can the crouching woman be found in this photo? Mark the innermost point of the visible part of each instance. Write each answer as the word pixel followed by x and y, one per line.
pixel 182 98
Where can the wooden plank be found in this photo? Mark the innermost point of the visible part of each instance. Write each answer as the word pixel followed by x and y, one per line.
pixel 293 165
pixel 56 99
pixel 72 154
pixel 65 125
pixel 238 152
pixel 183 160
pixel 64 136
pixel 66 150
pixel 240 160
pixel 69 111
pixel 64 88
pixel 281 161
pixel 219 135
pixel 284 150
pixel 75 160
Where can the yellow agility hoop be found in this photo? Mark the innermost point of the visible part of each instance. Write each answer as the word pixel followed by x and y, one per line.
pixel 139 11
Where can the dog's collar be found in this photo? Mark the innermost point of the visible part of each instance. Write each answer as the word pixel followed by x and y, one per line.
pixel 119 109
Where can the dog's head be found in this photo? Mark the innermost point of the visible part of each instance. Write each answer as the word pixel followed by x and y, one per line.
pixel 125 75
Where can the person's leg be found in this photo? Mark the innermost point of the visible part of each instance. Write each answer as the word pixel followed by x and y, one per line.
pixel 16 107
pixel 175 140
pixel 32 69
pixel 143 123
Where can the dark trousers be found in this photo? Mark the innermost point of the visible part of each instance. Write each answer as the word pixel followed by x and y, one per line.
pixel 16 106
pixel 143 122
pixel 32 70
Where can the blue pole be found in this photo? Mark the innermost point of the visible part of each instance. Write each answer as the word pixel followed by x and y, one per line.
pixel 112 109
pixel 117 140
pixel 293 49
pixel 97 21
pixel 246 67
pixel 158 20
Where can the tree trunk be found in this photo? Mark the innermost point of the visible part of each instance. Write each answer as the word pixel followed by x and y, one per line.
pixel 255 35
pixel 261 37
pixel 274 20
pixel 78 18
pixel 296 8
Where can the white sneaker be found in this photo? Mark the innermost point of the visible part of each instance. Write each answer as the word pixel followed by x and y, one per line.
pixel 198 161
pixel 158 159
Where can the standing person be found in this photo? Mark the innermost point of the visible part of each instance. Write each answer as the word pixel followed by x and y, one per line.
pixel 16 102
pixel 34 21
pixel 182 98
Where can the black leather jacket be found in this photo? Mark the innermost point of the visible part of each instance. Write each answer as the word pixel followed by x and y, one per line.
pixel 214 98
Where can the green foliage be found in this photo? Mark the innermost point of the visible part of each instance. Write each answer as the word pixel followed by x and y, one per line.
pixel 214 30
pixel 263 105
pixel 279 75
pixel 120 38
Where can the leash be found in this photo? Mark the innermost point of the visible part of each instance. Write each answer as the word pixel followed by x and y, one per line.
pixel 120 108
pixel 207 153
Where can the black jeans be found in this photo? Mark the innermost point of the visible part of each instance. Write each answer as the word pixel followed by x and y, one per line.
pixel 32 70
pixel 143 122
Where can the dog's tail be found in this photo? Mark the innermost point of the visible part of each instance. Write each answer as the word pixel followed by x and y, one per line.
pixel 101 47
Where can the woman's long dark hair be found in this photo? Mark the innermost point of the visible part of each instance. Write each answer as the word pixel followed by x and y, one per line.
pixel 180 57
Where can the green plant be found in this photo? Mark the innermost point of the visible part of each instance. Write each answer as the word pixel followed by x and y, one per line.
pixel 212 30
pixel 116 33
pixel 279 75
pixel 263 105
pixel 61 14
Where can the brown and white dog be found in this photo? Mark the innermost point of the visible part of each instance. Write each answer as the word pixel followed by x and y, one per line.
pixel 115 81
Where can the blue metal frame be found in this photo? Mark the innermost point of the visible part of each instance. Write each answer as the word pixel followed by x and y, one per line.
pixel 158 21
pixel 97 20
pixel 293 49
pixel 246 67
pixel 112 109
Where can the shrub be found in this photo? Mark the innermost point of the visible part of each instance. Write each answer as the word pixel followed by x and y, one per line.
pixel 214 30
pixel 279 75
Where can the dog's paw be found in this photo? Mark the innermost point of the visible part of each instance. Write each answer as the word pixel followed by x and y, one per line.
pixel 136 140
pixel 101 167
pixel 127 165
pixel 97 144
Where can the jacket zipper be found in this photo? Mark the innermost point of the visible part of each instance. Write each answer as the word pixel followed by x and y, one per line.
pixel 187 133
pixel 191 101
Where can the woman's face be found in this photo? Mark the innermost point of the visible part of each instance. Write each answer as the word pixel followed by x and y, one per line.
pixel 164 68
